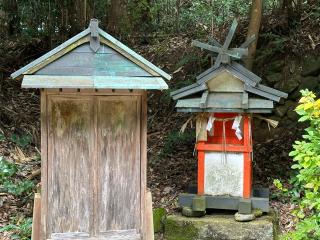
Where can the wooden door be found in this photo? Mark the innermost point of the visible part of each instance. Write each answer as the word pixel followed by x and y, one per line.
pixel 93 167
pixel 118 163
pixel 70 169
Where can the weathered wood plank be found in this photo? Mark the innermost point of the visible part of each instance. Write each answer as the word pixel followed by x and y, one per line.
pixel 110 235
pixel 248 41
pixel 248 81
pixel 190 92
pixel 133 56
pixel 204 99
pixel 44 162
pixel 211 75
pixel 245 100
pixel 85 48
pixel 262 93
pixel 51 53
pixel 246 72
pixel 92 60
pixel 149 217
pixel 70 147
pixel 119 179
pixel 143 164
pixel 183 89
pixel 272 91
pixel 225 82
pixel 36 220
pixel 91 82
pixel 226 110
pixel 225 100
pixel 211 69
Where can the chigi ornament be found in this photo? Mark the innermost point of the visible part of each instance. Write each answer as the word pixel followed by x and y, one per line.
pixel 224 97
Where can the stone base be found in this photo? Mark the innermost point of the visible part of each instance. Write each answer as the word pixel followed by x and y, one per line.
pixel 220 227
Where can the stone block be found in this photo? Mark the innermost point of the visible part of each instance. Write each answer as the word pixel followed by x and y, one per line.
pixel 245 206
pixel 199 204
pixel 220 227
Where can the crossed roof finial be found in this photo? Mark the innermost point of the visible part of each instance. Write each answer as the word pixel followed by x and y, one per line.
pixel 224 54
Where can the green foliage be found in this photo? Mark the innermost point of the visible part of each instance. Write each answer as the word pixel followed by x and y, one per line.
pixel 277 45
pixel 9 181
pixel 19 229
pixel 175 139
pixel 306 157
pixel 22 141
pixel 2 137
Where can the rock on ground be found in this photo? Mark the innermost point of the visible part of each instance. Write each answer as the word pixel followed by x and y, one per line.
pixel 220 227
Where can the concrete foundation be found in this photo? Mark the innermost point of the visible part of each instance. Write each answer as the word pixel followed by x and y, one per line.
pixel 220 227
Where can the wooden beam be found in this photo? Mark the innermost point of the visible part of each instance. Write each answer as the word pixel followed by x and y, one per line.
pixel 238 67
pixel 230 34
pixel 262 93
pixel 110 235
pixel 272 91
pixel 245 100
pixel 208 71
pixel 206 46
pixel 149 217
pixel 248 81
pixel 190 92
pixel 211 75
pixel 53 52
pixel 36 220
pixel 247 43
pixel 183 89
pixel 204 99
pixel 214 42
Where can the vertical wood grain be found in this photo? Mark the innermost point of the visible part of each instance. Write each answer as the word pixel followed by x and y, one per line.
pixel 36 220
pixel 44 162
pixel 143 168
pixel 70 150
pixel 118 142
pixel 149 231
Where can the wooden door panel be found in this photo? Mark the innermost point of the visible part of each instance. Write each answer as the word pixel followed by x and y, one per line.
pixel 118 163
pixel 70 149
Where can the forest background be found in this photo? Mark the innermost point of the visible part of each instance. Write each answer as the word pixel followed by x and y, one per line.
pixel 287 59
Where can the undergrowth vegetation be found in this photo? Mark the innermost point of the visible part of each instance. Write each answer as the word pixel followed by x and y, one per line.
pixel 306 157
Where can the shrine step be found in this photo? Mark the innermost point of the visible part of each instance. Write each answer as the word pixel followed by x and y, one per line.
pixel 220 226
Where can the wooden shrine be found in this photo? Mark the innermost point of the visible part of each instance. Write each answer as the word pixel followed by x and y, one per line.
pixel 225 97
pixel 93 137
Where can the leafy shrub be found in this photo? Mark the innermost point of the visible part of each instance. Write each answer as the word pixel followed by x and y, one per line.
pixel 306 155
pixel 9 181
pixel 19 229
pixel 22 141
pixel 174 139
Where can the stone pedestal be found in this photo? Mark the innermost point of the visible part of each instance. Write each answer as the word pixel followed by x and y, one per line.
pixel 220 227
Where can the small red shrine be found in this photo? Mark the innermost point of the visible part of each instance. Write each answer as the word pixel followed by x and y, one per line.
pixel 224 97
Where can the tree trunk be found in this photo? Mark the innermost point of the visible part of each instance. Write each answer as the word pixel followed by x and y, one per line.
pixel 11 18
pixel 114 14
pixel 254 27
pixel 178 4
pixel 3 29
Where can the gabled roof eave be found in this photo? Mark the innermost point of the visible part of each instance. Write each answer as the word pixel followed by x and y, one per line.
pixel 28 68
pixel 54 51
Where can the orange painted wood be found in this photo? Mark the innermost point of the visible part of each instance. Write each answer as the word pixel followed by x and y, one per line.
pixel 231 138
pixel 201 172
pixel 247 181
pixel 220 148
